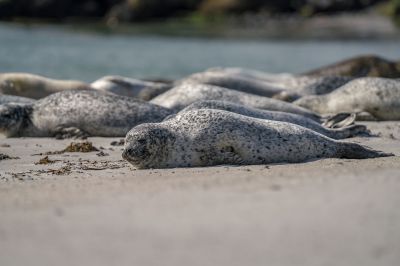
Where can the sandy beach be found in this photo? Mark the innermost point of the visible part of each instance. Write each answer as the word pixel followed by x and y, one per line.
pixel 95 209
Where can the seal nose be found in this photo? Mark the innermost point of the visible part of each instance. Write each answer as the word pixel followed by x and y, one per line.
pixel 125 154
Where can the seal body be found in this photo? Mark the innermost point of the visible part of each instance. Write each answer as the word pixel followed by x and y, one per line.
pixel 79 113
pixel 144 90
pixel 360 66
pixel 212 137
pixel 34 86
pixel 185 94
pixel 14 99
pixel 341 133
pixel 380 97
pixel 234 82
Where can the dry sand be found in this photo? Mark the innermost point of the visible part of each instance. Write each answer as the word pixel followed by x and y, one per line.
pixel 98 210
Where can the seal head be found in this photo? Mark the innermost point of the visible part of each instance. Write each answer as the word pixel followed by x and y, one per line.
pixel 12 118
pixel 147 143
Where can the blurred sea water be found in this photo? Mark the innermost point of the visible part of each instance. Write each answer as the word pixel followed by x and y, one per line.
pixel 59 52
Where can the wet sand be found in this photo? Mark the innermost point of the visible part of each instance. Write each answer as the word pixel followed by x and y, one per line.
pixel 88 209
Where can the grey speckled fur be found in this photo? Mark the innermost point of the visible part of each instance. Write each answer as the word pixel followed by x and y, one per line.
pixel 380 97
pixel 86 112
pixel 346 132
pixel 183 95
pixel 212 137
pixel 144 90
pixel 14 99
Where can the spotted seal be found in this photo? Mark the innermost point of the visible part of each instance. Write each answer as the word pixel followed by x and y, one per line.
pixel 341 133
pixel 78 113
pixel 185 94
pixel 144 90
pixel 284 87
pixel 14 99
pixel 34 86
pixel 360 66
pixel 234 82
pixel 209 137
pixel 379 97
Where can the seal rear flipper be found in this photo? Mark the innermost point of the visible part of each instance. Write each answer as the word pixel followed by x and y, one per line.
pixel 350 131
pixel 62 132
pixel 340 120
pixel 356 151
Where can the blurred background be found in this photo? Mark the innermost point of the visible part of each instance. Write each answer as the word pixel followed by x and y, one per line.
pixel 87 39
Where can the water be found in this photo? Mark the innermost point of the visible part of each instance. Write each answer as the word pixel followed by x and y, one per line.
pixel 61 53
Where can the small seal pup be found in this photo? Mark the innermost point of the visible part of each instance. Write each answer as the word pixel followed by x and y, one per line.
pixel 212 137
pixel 78 113
pixel 341 133
pixel 185 94
pixel 233 82
pixel 379 97
pixel 34 86
pixel 14 99
pixel 144 90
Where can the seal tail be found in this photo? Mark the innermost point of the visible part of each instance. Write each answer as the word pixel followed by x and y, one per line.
pixel 356 151
pixel 340 120
pixel 350 131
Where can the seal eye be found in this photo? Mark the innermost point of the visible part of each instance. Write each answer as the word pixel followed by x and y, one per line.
pixel 141 141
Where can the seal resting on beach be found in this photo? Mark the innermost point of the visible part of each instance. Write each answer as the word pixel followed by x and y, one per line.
pixel 340 133
pixel 78 113
pixel 185 94
pixel 213 137
pixel 14 99
pixel 34 86
pixel 379 97
pixel 360 66
pixel 234 82
pixel 144 90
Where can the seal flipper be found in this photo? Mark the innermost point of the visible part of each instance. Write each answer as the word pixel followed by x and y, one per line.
pixel 229 156
pixel 62 132
pixel 340 120
pixel 350 131
pixel 356 151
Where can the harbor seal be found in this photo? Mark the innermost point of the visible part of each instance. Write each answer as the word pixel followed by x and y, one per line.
pixel 185 94
pixel 341 133
pixel 360 66
pixel 285 87
pixel 213 137
pixel 233 82
pixel 14 99
pixel 379 97
pixel 34 86
pixel 144 90
pixel 78 113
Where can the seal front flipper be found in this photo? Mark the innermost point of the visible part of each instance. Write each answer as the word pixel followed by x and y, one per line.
pixel 228 155
pixel 62 132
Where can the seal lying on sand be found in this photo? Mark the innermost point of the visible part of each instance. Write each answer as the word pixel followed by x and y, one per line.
pixel 212 137
pixel 360 66
pixel 34 86
pixel 380 97
pixel 233 82
pixel 346 132
pixel 287 87
pixel 144 90
pixel 298 86
pixel 185 94
pixel 78 113
pixel 14 99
